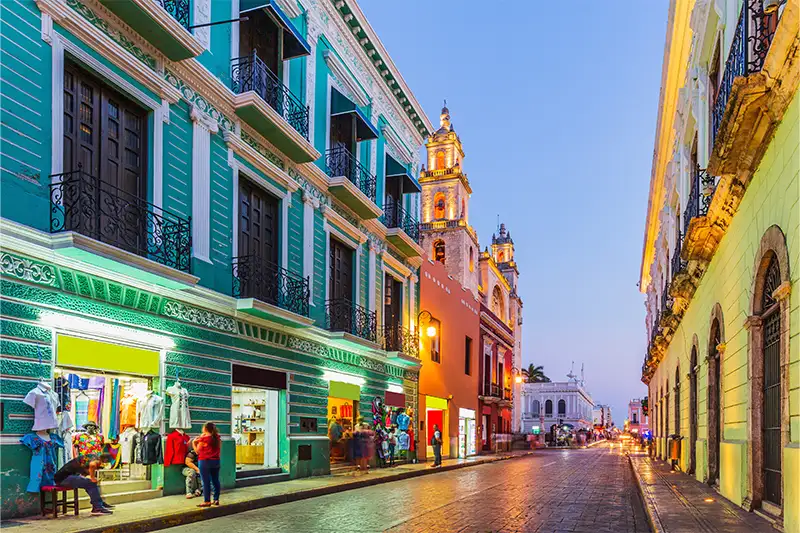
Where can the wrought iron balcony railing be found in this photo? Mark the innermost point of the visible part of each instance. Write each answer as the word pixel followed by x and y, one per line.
pixel 396 338
pixel 253 277
pixel 250 73
pixel 749 48
pixel 340 162
pixel 492 390
pixel 507 394
pixel 701 192
pixel 343 315
pixel 666 301
pixel 179 9
pixel 87 205
pixel 394 216
pixel 677 264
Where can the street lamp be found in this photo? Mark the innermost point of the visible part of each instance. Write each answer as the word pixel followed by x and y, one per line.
pixel 431 330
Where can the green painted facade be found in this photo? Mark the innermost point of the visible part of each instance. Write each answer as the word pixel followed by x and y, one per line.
pixel 207 332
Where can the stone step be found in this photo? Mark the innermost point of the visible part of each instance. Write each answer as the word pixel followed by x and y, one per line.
pixel 123 497
pixel 261 480
pixel 116 487
pixel 241 474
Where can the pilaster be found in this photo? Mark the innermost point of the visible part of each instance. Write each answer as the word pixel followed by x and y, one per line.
pixel 203 127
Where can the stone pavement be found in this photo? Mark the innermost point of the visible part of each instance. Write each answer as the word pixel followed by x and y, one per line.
pixel 678 503
pixel 171 511
pixel 577 491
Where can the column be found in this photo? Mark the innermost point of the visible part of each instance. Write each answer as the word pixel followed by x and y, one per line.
pixel 359 251
pixel 202 128
pixel 309 205
pixel 371 275
pixel 313 32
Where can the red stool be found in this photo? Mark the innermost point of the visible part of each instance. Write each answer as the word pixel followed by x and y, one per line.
pixel 56 502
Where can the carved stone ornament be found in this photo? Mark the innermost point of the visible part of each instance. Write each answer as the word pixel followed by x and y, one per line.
pixel 28 270
pixel 198 316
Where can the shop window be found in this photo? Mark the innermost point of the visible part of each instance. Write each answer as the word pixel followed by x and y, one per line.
pixel 439 251
pixel 254 413
pixel 342 419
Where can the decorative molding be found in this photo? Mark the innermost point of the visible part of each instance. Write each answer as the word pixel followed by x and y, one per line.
pixel 783 291
pixel 343 224
pixel 343 76
pixel 202 103
pixel 394 263
pixel 251 138
pixel 202 128
pixel 202 15
pixel 397 147
pixel 200 317
pixel 249 154
pixel 28 270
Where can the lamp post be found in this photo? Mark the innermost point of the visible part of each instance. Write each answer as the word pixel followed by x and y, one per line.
pixel 431 331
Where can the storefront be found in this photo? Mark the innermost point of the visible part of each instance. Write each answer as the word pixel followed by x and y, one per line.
pixel 343 415
pixel 436 415
pixel 466 432
pixel 255 417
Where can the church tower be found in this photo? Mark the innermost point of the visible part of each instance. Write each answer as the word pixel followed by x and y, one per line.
pixel 446 235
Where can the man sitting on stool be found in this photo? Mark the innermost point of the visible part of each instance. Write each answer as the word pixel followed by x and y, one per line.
pixel 80 473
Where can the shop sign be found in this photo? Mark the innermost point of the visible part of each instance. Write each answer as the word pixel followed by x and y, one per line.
pixel 466 413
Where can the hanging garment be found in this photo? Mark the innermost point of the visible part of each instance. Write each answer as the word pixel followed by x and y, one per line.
pixel 347 411
pixel 81 410
pixel 411 446
pixel 113 429
pixel 177 447
pixel 89 444
pixel 94 406
pixel 127 412
pixel 151 449
pixel 44 402
pixel 126 443
pixel 179 410
pixel 402 441
pixel 65 427
pixel 402 421
pixel 61 387
pixel 43 459
pixel 150 411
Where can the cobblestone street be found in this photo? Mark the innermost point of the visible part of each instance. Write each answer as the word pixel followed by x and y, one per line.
pixel 588 490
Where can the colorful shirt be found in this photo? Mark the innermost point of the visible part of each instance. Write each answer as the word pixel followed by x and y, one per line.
pixel 402 441
pixel 44 402
pixel 402 421
pixel 43 459
pixel 89 444
pixel 127 412
pixel 61 387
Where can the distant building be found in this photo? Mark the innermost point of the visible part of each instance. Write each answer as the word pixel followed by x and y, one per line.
pixel 601 416
pixel 546 404
pixel 637 421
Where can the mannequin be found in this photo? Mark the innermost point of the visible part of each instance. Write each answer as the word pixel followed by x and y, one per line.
pixel 44 448
pixel 179 417
pixel 45 404
pixel 89 443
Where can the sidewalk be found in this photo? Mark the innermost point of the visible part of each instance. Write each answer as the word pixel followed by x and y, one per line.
pixel 170 511
pixel 678 503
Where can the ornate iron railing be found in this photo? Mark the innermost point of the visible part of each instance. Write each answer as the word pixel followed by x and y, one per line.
pixel 340 162
pixel 343 315
pixel 250 73
pixel 493 390
pixel 751 42
pixel 666 301
pixel 394 216
pixel 87 205
pixel 253 277
pixel 701 192
pixel 396 338
pixel 179 9
pixel 507 394
pixel 677 264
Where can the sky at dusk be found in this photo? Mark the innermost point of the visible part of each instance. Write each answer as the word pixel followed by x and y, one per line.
pixel 556 108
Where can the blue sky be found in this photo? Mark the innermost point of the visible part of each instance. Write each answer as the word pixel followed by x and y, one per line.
pixel 556 109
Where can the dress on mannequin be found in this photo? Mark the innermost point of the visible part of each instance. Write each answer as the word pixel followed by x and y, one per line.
pixel 44 447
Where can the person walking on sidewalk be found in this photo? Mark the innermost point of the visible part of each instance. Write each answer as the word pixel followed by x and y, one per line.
pixel 81 473
pixel 436 442
pixel 207 447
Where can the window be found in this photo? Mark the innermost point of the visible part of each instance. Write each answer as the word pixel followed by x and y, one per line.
pixel 497 303
pixel 501 257
pixel 436 356
pixel 438 206
pixel 536 407
pixel 468 356
pixel 471 259
pixel 440 160
pixel 562 408
pixel 438 251
pixel 548 408
pixel 634 419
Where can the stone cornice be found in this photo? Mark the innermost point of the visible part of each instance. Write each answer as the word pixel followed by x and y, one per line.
pixel 249 154
pixel 395 264
pixel 344 76
pixel 341 223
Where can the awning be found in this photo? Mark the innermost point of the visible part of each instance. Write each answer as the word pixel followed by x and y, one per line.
pixel 342 105
pixel 294 44
pixel 395 169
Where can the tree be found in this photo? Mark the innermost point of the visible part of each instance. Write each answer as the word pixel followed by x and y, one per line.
pixel 535 374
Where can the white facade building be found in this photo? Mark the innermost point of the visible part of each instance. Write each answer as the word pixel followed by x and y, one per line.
pixel 601 416
pixel 545 404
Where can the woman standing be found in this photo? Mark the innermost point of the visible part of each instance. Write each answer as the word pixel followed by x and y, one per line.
pixel 207 447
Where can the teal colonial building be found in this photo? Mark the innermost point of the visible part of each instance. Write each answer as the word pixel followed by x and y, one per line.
pixel 219 194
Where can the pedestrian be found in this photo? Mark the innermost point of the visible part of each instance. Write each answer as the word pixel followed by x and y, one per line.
pixel 436 442
pixel 392 445
pixel 191 472
pixel 207 447
pixel 81 473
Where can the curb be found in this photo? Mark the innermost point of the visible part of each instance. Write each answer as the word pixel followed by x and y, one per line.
pixel 649 507
pixel 196 515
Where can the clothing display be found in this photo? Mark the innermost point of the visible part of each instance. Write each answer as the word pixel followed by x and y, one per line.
pixel 151 448
pixel 149 411
pixel 43 459
pixel 61 387
pixel 402 421
pixel 126 443
pixel 127 415
pixel 44 402
pixel 177 447
pixel 402 441
pixel 81 411
pixel 77 383
pixel 179 410
pixel 65 428
pixel 89 443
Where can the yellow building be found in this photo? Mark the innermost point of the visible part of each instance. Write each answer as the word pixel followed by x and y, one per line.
pixel 721 252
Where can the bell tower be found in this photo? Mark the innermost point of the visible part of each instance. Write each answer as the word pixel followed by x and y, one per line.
pixel 445 232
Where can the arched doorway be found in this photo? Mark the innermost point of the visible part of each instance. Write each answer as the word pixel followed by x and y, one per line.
pixel 693 410
pixel 678 400
pixel 714 400
pixel 771 467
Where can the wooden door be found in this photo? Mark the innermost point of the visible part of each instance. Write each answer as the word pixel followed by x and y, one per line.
pixel 341 273
pixel 258 243
pixel 393 202
pixel 261 34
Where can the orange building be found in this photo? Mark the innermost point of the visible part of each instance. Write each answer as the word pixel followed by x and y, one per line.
pixel 448 380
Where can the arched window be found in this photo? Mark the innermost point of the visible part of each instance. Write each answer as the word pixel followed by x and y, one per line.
pixel 471 259
pixel 692 409
pixel 535 409
pixel 501 257
pixel 714 399
pixel 548 408
pixel 440 160
pixel 562 407
pixel 678 400
pixel 438 251
pixel 438 206
pixel 498 308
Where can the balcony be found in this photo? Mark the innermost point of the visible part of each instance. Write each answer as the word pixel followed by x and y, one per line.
pixel 402 230
pixel 738 120
pixel 103 225
pixel 677 264
pixel 264 102
pixel 351 182
pixel 401 343
pixel 351 320
pixel 265 290
pixel 492 393
pixel 164 23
